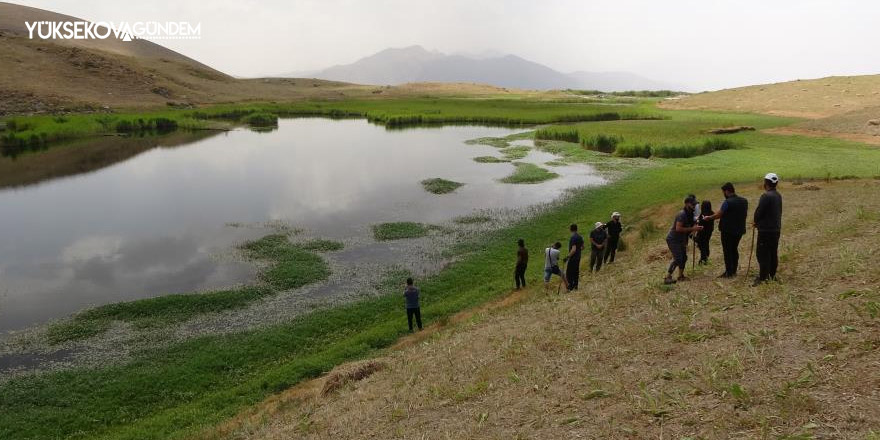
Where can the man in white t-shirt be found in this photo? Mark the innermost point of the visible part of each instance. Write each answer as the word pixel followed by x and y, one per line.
pixel 551 264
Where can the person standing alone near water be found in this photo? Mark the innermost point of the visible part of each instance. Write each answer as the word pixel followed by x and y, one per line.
pixel 411 296
pixel 768 221
pixel 614 229
pixel 575 246
pixel 677 239
pixel 705 235
pixel 522 261
pixel 733 213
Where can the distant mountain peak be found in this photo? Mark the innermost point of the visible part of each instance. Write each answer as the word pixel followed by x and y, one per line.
pixel 398 65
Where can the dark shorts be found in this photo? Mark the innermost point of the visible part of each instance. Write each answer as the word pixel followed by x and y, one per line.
pixel 551 271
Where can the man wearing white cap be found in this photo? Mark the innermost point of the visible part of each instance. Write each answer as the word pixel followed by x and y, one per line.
pixel 598 236
pixel 768 221
pixel 614 229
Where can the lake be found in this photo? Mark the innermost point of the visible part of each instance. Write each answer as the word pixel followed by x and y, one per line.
pixel 110 219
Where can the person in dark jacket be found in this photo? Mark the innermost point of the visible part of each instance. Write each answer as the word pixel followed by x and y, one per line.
pixel 614 229
pixel 573 269
pixel 677 239
pixel 411 296
pixel 598 237
pixel 522 261
pixel 733 213
pixel 768 222
pixel 705 235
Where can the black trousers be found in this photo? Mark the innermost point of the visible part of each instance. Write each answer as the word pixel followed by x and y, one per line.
pixel 417 312
pixel 573 272
pixel 519 274
pixel 679 251
pixel 730 247
pixel 767 253
pixel 596 256
pixel 703 244
pixel 611 249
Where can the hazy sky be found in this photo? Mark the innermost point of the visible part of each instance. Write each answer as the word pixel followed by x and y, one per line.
pixel 700 44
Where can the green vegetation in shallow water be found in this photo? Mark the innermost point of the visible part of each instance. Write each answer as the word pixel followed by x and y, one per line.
pixel 293 266
pixel 472 219
pixel 152 312
pixel 490 159
pixel 322 245
pixel 528 173
pixel 261 119
pixel 515 153
pixel 440 186
pixel 400 230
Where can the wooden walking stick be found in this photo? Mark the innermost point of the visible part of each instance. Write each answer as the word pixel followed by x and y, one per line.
pixel 751 250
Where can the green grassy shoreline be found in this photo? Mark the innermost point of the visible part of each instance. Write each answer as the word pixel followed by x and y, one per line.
pixel 176 391
pixel 23 133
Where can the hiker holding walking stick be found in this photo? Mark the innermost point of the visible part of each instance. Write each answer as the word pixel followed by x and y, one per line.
pixel 551 265
pixel 677 239
pixel 768 222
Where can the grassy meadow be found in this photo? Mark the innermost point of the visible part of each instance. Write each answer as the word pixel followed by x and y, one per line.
pixel 183 389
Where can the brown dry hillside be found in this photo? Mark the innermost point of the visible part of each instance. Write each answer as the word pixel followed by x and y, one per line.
pixel 46 75
pixel 628 358
pixel 63 75
pixel 841 106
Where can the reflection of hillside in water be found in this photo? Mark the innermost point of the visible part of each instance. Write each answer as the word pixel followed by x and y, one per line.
pixel 83 156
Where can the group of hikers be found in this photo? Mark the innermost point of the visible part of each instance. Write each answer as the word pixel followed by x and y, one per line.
pixel 696 222
pixel 604 240
pixel 698 225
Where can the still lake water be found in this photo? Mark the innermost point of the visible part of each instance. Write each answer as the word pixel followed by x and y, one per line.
pixel 153 222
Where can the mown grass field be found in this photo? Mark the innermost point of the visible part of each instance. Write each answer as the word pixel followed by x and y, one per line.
pixel 180 390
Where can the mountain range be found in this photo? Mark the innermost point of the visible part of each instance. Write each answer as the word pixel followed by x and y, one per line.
pixel 416 64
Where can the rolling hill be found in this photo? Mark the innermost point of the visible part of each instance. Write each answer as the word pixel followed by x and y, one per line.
pixel 62 75
pixel 846 107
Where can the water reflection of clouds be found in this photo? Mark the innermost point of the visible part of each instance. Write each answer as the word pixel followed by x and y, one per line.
pixel 148 225
pixel 87 273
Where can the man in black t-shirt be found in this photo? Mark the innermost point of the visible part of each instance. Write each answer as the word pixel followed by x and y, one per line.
pixel 597 246
pixel 677 239
pixel 573 269
pixel 768 221
pixel 733 213
pixel 614 229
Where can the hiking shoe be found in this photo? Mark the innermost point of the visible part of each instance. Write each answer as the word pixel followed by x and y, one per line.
pixel 725 275
pixel 757 282
pixel 668 280
pixel 683 278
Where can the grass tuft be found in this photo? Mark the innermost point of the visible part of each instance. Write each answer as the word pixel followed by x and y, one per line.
pixel 529 173
pixel 440 186
pixel 490 159
pixel 401 230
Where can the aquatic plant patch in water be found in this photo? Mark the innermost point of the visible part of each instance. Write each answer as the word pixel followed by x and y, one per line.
pixel 440 186
pixel 490 159
pixel 291 266
pixel 401 230
pixel 528 173
pixel 261 119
